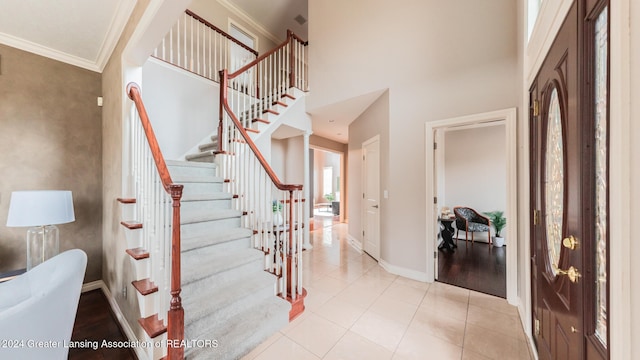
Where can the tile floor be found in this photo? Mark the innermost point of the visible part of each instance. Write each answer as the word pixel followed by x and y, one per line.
pixel 356 310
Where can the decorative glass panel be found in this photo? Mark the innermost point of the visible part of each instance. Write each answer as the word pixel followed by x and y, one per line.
pixel 601 162
pixel 554 180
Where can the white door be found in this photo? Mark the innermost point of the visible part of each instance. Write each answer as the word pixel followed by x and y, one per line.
pixel 371 196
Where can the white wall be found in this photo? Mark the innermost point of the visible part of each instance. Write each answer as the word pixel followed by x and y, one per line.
pixel 182 107
pixel 439 59
pixel 278 155
pixel 475 170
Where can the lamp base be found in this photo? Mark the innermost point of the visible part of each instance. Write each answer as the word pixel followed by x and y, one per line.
pixel 42 244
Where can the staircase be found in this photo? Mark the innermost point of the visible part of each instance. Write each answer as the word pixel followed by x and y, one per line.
pixel 207 231
pixel 227 294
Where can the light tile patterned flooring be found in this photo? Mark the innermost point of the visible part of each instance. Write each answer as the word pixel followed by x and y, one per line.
pixel 356 310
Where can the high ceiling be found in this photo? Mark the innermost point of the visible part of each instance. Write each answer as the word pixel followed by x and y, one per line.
pixel 277 15
pixel 78 32
pixel 84 33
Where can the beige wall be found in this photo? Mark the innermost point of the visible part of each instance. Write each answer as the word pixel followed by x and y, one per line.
pixel 439 59
pixel 50 135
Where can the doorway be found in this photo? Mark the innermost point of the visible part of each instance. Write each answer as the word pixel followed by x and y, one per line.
pixel 508 118
pixel 471 172
pixel 326 182
pixel 569 193
pixel 371 197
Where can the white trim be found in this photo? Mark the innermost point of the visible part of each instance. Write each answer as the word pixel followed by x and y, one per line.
pixel 256 39
pixel 128 332
pixel 508 118
pixel 246 17
pixel 90 286
pixel 548 23
pixel 404 272
pixel 48 52
pixel 355 243
pixel 620 165
pixel 118 22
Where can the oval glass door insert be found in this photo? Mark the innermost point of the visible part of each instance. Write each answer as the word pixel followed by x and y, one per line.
pixel 554 180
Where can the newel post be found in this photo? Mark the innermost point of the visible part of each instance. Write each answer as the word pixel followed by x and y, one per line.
pixel 291 39
pixel 175 326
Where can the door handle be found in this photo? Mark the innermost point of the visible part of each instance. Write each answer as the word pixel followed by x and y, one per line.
pixel 570 242
pixel 572 273
pixel 375 206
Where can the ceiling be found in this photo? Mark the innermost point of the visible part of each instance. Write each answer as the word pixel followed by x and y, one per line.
pixel 85 32
pixel 78 32
pixel 276 15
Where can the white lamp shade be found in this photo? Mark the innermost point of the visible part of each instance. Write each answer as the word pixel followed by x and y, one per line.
pixel 41 207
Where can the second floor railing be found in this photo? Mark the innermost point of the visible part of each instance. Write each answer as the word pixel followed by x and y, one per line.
pixel 196 45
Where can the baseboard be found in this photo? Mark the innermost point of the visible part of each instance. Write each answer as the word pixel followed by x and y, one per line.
pixel 404 272
pixel 357 245
pixel 532 345
pixel 124 325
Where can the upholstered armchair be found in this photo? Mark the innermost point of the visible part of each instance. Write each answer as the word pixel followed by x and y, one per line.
pixel 38 308
pixel 471 221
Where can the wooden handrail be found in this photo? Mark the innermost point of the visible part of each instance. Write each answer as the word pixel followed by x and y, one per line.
pixel 224 82
pixel 175 321
pixel 220 31
pixel 290 35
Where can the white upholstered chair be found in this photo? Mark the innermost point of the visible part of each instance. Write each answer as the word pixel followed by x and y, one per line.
pixel 38 308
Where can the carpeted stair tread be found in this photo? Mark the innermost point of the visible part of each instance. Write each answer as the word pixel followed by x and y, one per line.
pixel 201 155
pixel 221 304
pixel 197 241
pixel 196 216
pixel 196 267
pixel 238 336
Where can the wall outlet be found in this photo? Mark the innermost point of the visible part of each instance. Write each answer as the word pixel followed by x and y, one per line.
pixel 124 291
pixel 99 100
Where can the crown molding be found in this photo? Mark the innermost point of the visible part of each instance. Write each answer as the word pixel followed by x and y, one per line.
pixel 246 17
pixel 116 27
pixel 41 50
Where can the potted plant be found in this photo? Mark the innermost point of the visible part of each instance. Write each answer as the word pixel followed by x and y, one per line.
pixel 330 197
pixel 499 222
pixel 277 212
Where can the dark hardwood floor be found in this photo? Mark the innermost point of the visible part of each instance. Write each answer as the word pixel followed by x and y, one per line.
pixel 95 323
pixel 476 267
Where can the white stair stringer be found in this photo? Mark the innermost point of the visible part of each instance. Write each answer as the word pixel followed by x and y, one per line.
pixel 229 299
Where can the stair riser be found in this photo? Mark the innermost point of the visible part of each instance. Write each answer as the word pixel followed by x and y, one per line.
pixel 202 188
pixel 199 325
pixel 177 171
pixel 206 205
pixel 210 226
pixel 206 159
pixel 226 246
pixel 223 276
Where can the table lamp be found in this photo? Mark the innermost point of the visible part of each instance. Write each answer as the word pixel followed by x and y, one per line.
pixel 42 210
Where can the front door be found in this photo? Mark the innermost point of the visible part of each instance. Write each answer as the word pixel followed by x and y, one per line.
pixel 569 117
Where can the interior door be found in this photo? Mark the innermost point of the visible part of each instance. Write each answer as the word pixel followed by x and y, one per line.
pixel 557 195
pixel 371 197
pixel 569 171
